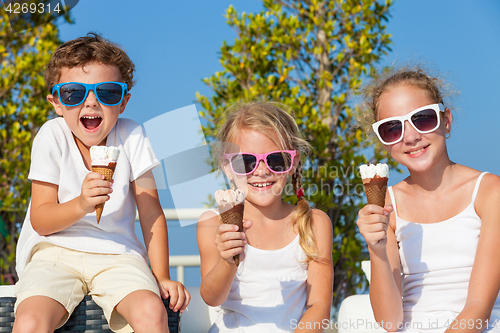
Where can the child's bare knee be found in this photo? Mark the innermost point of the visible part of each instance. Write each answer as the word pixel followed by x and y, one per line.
pixel 30 323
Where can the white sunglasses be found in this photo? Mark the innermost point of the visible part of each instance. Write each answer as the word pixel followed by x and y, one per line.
pixel 424 120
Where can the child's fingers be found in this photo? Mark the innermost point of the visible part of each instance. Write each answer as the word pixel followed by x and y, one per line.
pixel 96 188
pixel 99 191
pixel 371 209
pixel 90 197
pixel 230 249
pixel 176 297
pixel 377 237
pixel 232 235
pixel 227 232
pixel 223 228
pixel 187 299
pixel 95 179
pixel 371 219
pixel 93 176
pixel 374 218
pixel 181 298
pixel 247 225
pixel 375 227
pixel 242 255
pixel 229 241
pixel 164 292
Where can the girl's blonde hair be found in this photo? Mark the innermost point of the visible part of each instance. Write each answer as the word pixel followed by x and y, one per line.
pixel 271 119
pixel 415 76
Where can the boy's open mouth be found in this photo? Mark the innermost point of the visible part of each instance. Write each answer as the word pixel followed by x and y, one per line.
pixel 91 122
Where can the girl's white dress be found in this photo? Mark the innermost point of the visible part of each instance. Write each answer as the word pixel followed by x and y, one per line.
pixel 268 293
pixel 436 263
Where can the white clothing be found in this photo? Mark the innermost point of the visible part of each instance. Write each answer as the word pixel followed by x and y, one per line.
pixel 56 159
pixel 436 263
pixel 268 293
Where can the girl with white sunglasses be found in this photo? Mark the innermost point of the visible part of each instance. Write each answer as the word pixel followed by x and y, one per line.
pixel 283 282
pixel 433 247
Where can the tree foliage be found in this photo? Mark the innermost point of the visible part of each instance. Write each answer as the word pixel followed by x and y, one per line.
pixel 311 56
pixel 23 109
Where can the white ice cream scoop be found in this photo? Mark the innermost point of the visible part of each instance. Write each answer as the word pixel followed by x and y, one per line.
pixel 372 170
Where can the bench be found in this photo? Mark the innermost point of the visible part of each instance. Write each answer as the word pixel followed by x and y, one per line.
pixel 88 317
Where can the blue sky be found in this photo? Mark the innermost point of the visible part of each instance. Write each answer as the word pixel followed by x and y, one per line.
pixel 175 44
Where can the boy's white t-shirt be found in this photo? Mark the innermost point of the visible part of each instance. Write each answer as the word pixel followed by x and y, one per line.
pixel 56 159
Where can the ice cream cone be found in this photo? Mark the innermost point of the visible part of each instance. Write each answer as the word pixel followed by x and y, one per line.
pixel 107 171
pixel 104 162
pixel 375 178
pixel 231 205
pixel 375 189
pixel 234 216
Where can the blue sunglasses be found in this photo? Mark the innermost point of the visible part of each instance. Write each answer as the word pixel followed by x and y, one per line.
pixel 74 93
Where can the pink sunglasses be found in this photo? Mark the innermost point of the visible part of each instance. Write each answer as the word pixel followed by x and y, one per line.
pixel 276 161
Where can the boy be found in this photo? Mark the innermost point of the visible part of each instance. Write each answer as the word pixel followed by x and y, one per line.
pixel 63 253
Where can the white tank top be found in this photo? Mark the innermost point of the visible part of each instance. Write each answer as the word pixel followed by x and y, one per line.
pixel 436 264
pixel 268 293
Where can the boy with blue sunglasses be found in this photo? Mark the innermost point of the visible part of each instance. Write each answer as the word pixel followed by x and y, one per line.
pixel 63 253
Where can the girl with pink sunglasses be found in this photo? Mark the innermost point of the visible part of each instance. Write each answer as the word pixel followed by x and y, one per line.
pixel 283 282
pixel 433 247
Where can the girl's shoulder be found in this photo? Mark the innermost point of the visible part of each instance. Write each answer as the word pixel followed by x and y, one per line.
pixel 319 214
pixel 210 216
pixel 322 229
pixel 488 194
pixel 320 220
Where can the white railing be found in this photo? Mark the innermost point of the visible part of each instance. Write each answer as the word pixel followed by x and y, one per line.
pixel 180 214
pixel 180 262
pixel 183 261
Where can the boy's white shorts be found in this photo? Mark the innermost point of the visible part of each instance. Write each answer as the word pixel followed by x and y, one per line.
pixel 67 276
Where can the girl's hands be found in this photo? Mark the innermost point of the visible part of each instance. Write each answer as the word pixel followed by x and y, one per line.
pixel 95 190
pixel 230 241
pixel 372 222
pixel 179 296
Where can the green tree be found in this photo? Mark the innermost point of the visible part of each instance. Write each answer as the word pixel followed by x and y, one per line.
pixel 23 109
pixel 312 56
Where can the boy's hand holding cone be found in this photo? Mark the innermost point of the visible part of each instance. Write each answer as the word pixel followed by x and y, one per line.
pixel 104 162
pixel 230 205
pixel 375 177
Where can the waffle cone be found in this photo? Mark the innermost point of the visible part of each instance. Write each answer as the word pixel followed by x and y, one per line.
pixel 108 172
pixel 234 216
pixel 375 189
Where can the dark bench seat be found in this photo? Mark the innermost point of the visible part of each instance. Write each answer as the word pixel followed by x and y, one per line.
pixel 88 317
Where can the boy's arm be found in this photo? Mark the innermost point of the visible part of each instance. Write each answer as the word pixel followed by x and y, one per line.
pixel 155 233
pixel 48 216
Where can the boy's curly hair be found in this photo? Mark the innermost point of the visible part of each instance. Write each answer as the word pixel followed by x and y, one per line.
pixel 84 50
